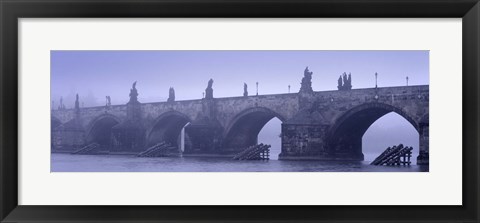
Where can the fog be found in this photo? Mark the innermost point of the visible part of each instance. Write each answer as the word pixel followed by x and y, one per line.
pixel 96 74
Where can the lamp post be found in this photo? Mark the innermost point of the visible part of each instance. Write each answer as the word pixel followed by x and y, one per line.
pixel 257 88
pixel 376 80
pixel 289 89
pixel 407 81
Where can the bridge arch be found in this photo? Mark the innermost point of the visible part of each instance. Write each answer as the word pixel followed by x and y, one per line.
pixel 242 131
pixel 167 127
pixel 345 135
pixel 99 130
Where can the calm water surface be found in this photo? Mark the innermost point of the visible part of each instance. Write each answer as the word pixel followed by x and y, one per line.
pixel 123 163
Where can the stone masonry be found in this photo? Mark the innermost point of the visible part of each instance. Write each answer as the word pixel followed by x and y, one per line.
pixel 316 125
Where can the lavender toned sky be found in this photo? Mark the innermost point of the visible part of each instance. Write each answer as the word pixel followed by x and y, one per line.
pixel 96 74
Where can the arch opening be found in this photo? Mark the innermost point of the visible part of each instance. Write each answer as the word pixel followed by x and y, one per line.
pixel 245 128
pixel 346 138
pixel 389 130
pixel 168 128
pixel 101 131
pixel 271 134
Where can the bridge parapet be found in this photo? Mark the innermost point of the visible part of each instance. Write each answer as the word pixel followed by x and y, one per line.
pixel 413 100
pixel 190 108
pixel 88 114
pixel 285 106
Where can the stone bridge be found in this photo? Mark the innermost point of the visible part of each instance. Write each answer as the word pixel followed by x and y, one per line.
pixel 323 125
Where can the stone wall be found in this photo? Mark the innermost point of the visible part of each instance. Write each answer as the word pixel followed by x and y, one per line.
pixel 310 119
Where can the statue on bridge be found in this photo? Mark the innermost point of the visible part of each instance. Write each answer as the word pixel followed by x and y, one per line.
pixel 108 102
pixel 340 85
pixel 134 111
pixel 61 106
pixel 133 93
pixel 306 85
pixel 209 90
pixel 77 105
pixel 245 92
pixel 171 95
pixel 347 82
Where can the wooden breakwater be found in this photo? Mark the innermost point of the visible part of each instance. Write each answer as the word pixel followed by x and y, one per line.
pixel 88 149
pixel 255 152
pixel 392 156
pixel 161 149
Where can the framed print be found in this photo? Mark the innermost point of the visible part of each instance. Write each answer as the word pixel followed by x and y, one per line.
pixel 288 111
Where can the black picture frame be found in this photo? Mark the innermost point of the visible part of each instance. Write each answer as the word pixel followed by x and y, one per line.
pixel 12 10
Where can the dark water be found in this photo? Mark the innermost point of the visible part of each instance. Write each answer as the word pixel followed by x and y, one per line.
pixel 123 163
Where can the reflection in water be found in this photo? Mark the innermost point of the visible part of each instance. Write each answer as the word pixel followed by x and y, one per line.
pixel 117 163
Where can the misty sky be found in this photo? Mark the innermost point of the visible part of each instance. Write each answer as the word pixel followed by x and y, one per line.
pixel 96 74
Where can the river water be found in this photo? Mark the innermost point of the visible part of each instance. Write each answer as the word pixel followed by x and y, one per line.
pixel 61 162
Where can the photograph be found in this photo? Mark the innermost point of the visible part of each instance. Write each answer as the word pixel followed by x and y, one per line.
pixel 239 110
